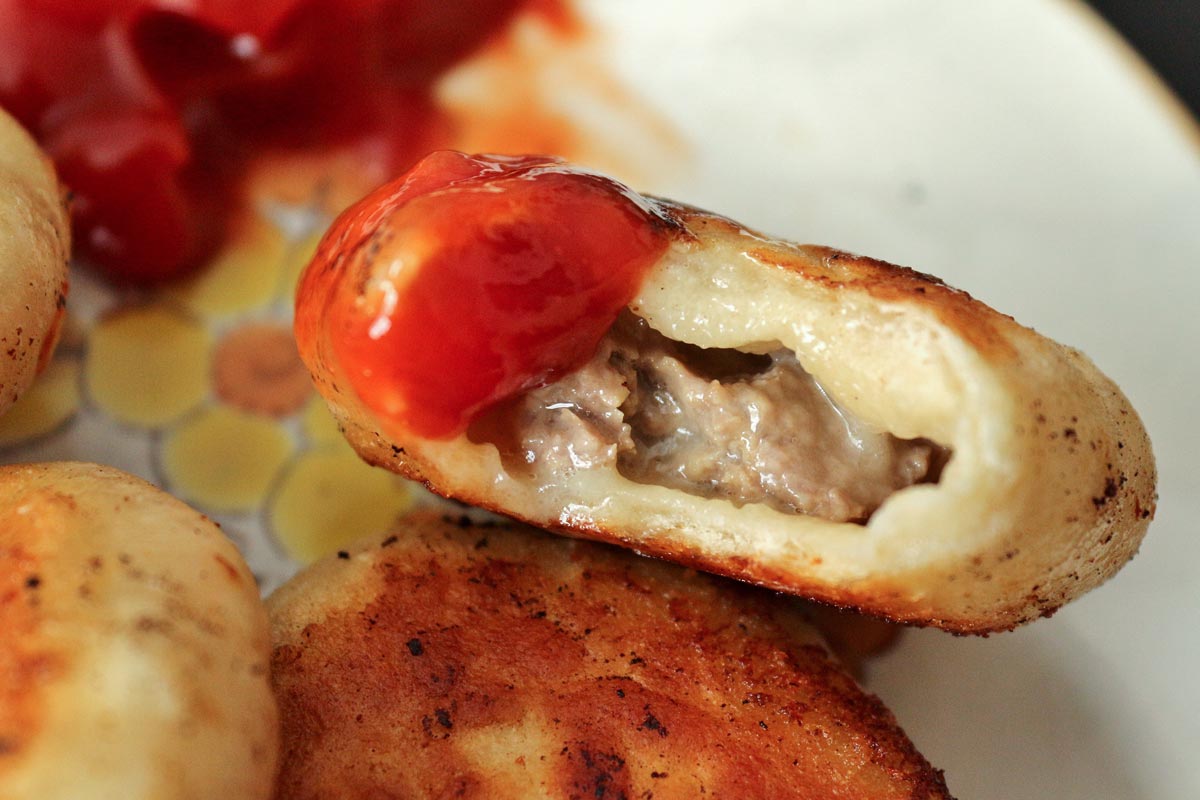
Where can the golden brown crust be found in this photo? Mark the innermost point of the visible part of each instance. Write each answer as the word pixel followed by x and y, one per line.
pixel 133 645
pixel 1049 491
pixel 456 660
pixel 34 247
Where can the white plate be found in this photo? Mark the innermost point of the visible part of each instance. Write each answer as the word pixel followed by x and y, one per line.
pixel 1012 147
pixel 1018 150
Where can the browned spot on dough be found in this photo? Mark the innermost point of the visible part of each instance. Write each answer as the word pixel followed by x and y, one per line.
pixel 27 662
pixel 230 569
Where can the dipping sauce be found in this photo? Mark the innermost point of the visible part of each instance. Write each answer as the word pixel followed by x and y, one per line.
pixel 151 109
pixel 471 279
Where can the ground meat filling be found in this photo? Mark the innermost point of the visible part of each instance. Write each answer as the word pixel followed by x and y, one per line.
pixel 743 427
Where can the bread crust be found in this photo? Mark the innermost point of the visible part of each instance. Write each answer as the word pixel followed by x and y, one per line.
pixel 450 659
pixel 1049 491
pixel 35 245
pixel 133 645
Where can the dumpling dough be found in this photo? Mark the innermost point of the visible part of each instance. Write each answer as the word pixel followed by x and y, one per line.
pixel 133 645
pixel 35 243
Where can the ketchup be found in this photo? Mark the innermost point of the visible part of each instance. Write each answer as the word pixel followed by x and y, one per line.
pixel 469 280
pixel 150 109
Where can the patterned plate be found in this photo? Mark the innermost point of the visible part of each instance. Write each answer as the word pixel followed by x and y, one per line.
pixel 1014 148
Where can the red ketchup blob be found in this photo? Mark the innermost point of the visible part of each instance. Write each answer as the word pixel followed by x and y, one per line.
pixel 151 109
pixel 469 280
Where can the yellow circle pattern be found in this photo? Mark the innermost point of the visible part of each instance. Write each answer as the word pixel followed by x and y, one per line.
pixel 244 276
pixel 224 459
pixel 329 498
pixel 148 366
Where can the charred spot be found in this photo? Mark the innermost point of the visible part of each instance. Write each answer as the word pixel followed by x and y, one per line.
pixel 415 647
pixel 481 544
pixel 1069 433
pixel 342 554
pixel 1110 491
pixel 389 541
pixel 651 723
pixel 33 582
pixel 443 718
pixel 602 775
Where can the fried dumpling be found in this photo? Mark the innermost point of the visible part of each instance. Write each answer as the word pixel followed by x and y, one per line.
pixel 498 661
pixel 133 645
pixel 541 341
pixel 35 243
